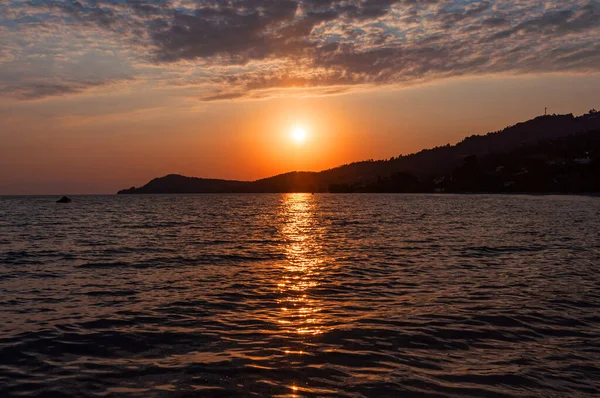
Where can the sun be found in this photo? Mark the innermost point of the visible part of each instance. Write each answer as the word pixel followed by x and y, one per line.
pixel 299 134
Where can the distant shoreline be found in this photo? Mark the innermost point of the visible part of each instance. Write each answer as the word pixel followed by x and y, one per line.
pixel 590 194
pixel 355 193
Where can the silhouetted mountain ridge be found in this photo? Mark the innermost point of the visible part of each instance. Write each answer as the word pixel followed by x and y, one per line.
pixel 406 173
pixel 175 183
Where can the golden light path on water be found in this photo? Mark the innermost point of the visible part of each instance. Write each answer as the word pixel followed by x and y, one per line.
pixel 301 313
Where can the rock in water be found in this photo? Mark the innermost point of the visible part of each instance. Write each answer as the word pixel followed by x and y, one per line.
pixel 64 199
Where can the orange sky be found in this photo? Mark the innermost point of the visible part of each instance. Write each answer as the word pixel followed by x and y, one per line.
pixel 88 144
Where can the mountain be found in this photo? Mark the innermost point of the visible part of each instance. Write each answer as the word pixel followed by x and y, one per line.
pixel 429 170
pixel 175 183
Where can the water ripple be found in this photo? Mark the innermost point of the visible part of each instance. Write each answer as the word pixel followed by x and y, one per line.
pixel 300 295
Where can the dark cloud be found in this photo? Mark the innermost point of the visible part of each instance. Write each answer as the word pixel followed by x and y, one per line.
pixel 222 30
pixel 224 96
pixel 241 46
pixel 555 22
pixel 495 21
pixel 31 90
pixel 449 18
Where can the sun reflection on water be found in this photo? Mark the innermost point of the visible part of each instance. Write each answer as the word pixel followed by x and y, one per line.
pixel 300 313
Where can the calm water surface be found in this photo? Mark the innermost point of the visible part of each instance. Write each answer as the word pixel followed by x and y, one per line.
pixel 300 295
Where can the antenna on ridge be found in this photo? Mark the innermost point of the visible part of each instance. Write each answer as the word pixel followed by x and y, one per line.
pixel 545 111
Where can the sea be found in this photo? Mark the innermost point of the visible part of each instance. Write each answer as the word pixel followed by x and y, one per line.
pixel 293 295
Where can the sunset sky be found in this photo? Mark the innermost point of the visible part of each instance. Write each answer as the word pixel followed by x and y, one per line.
pixel 99 95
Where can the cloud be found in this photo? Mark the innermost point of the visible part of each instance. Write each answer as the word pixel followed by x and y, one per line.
pixel 33 90
pixel 449 18
pixel 224 96
pixel 5 54
pixel 237 48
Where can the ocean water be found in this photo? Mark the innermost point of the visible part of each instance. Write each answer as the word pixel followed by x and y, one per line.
pixel 300 295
